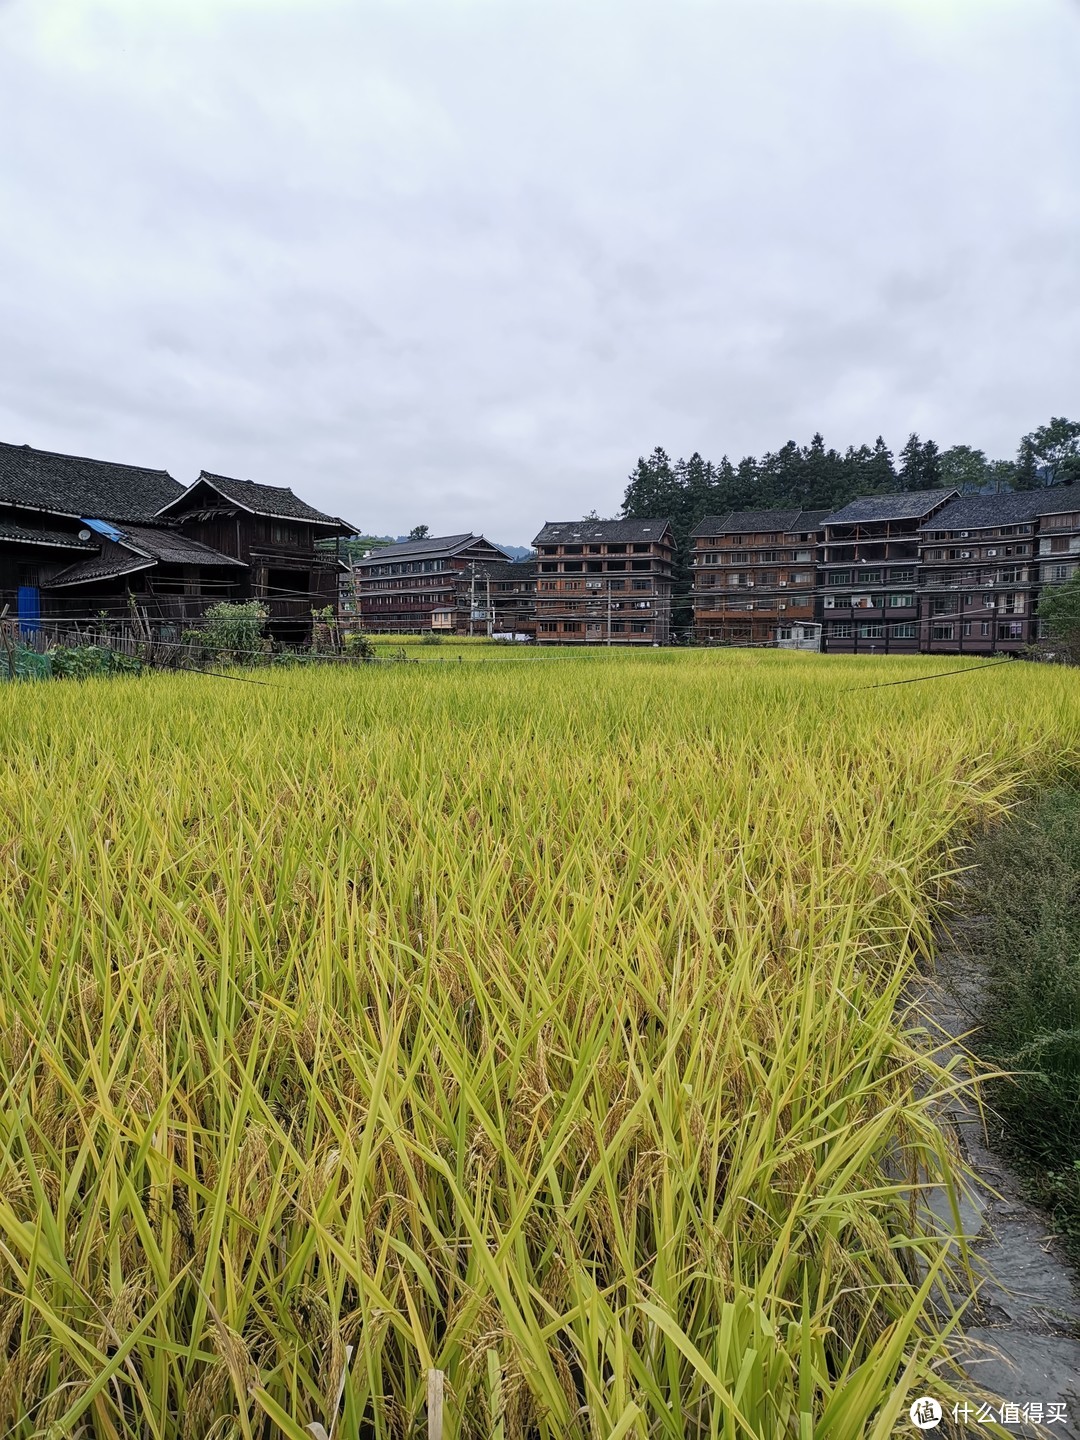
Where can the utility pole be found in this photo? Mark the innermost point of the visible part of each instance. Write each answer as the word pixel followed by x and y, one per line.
pixel 609 612
pixel 487 579
pixel 472 596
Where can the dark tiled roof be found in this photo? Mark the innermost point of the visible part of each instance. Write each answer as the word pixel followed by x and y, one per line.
pixel 973 512
pixel 276 502
pixel 111 566
pixel 434 547
pixel 140 547
pixel 1057 498
pixel 169 547
pixel 56 539
pixel 73 485
pixel 910 505
pixel 757 522
pixel 502 571
pixel 570 532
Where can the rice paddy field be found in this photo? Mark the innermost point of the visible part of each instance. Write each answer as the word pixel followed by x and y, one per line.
pixel 542 1024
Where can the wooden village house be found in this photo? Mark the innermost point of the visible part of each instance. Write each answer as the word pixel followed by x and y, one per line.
pixel 82 538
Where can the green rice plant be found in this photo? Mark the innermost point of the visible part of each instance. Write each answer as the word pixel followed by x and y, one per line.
pixel 544 1026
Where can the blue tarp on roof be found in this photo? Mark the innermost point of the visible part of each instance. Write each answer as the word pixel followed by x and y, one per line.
pixel 104 528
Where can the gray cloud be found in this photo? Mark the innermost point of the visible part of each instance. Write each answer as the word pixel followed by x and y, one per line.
pixel 461 261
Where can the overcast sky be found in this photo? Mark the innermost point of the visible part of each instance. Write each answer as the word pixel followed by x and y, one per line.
pixel 461 261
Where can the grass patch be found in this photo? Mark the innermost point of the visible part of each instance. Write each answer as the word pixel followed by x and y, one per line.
pixel 1027 938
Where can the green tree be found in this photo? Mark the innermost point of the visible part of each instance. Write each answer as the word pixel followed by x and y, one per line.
pixel 920 467
pixel 1026 473
pixel 419 532
pixel 1002 475
pixel 651 487
pixel 964 469
pixel 879 470
pixel 1055 450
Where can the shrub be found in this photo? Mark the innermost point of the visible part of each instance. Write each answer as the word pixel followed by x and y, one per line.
pixel 233 630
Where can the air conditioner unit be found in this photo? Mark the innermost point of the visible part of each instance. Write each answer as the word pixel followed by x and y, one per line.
pixel 782 583
pixel 780 605
pixel 965 554
pixel 594 584
pixel 991 552
pixel 964 534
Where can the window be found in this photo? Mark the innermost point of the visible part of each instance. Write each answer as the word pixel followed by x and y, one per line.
pixel 903 577
pixel 988 602
pixel 641 629
pixel 828 602
pixel 1059 572
pixel 641 549
pixel 618 626
pixel 901 602
pixel 904 632
pixel 616 584
pixel 573 567
pixel 1011 630
pixel 943 605
pixel 841 629
pixel 941 632
pixel 618 550
pixel 767 557
pixel 840 577
pixel 783 632
pixel 642 584
pixel 548 626
pixel 968 600
pixel 571 550
pixel 571 625
pixel 594 566
pixel 872 632
pixel 548 568
pixel 547 584
pixel 1059 545
pixel 803 555
pixel 801 577
pixel 984 627
pixel 1060 522
pixel 870 577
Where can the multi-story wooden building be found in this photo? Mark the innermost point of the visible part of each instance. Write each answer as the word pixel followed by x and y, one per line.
pixel 510 594
pixel 604 582
pixel 1058 555
pixel 979 577
pixel 83 538
pixel 434 584
pixel 755 573
pixel 868 573
pixel 275 535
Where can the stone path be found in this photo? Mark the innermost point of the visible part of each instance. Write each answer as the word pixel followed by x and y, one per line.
pixel 1022 1343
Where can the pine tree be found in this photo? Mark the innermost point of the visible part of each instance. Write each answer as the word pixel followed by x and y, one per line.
pixel 929 467
pixel 879 474
pixel 1027 475
pixel 911 463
